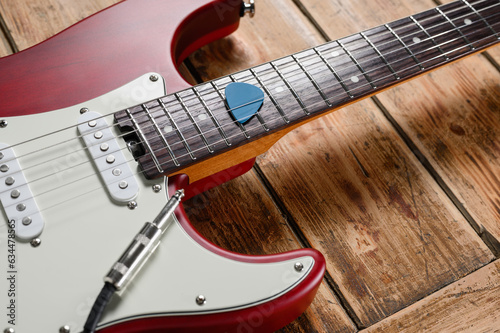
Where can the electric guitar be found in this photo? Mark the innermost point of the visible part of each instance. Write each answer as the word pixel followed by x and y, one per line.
pixel 76 190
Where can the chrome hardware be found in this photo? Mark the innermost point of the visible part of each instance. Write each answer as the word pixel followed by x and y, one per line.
pixel 3 123
pixel 298 266
pixel 154 77
pixel 201 300
pixel 84 110
pixel 110 159
pixel 64 329
pixel 36 242
pixel 10 181
pixel 132 205
pixel 9 330
pixel 248 8
pixel 157 188
pixel 142 246
pixel 15 194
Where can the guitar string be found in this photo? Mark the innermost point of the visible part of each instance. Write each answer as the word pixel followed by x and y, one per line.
pixel 283 68
pixel 278 117
pixel 384 32
pixel 141 172
pixel 225 111
pixel 410 24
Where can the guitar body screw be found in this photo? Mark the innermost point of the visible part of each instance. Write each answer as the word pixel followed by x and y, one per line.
pixel 84 110
pixel 9 330
pixel 36 242
pixel 298 267
pixel 3 123
pixel 132 205
pixel 154 78
pixel 64 329
pixel 157 188
pixel 201 300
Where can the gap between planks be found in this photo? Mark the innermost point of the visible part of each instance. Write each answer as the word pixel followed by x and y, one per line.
pixel 12 47
pixel 489 240
pixel 304 242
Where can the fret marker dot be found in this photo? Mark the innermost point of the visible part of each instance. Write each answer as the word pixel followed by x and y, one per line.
pixel 416 40
pixel 279 89
pixel 202 117
pixel 467 21
pixel 168 129
pixel 354 79
pixel 335 54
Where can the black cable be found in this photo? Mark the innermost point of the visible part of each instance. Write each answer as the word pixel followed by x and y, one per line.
pixel 98 308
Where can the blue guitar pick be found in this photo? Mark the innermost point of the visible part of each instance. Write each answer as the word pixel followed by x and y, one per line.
pixel 244 100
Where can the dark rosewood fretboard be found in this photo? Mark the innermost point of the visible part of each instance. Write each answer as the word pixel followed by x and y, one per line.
pixel 183 128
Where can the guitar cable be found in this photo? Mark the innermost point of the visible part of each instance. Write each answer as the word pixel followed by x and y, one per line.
pixel 132 260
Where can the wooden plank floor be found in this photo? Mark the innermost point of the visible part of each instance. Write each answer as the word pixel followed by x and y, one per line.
pixel 401 192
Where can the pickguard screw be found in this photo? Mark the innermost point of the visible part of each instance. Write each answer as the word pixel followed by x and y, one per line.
pixel 298 266
pixel 201 300
pixel 9 330
pixel 3 123
pixel 64 329
pixel 36 242
pixel 154 77
pixel 157 188
pixel 84 110
pixel 132 205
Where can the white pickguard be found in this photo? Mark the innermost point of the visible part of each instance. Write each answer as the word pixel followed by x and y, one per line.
pixel 56 283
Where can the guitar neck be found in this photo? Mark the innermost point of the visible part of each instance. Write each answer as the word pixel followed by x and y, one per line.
pixel 184 128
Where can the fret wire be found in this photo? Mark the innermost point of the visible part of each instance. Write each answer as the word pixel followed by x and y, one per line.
pixel 313 81
pixel 259 117
pixel 454 49
pixel 357 64
pixel 334 72
pixel 430 37
pixel 484 38
pixel 198 129
pixel 481 17
pixel 160 132
pixel 176 128
pixel 405 46
pixel 381 56
pixel 221 95
pixel 271 97
pixel 143 139
pixel 454 26
pixel 292 90
pixel 214 120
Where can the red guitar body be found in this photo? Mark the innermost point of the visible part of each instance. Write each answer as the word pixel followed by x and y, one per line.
pixel 111 48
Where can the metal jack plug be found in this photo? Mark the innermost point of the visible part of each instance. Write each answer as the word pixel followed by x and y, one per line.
pixel 142 246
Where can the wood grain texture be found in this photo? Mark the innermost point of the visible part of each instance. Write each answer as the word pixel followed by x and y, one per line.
pixel 350 186
pixel 438 122
pixel 390 234
pixel 31 22
pixel 468 305
pixel 241 217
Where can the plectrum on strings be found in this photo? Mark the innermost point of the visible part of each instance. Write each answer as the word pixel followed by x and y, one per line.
pixel 244 100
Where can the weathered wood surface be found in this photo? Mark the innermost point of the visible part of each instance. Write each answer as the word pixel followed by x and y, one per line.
pixel 390 233
pixel 347 184
pixel 468 305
